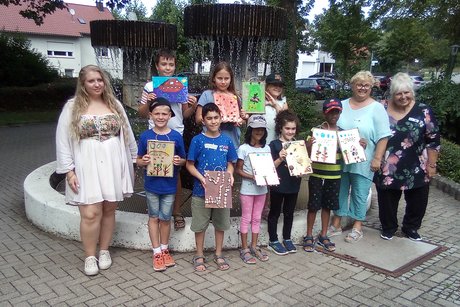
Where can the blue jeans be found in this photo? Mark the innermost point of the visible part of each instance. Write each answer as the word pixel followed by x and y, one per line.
pixel 160 206
pixel 354 190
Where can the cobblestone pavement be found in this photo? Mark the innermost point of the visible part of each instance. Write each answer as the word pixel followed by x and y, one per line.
pixel 41 269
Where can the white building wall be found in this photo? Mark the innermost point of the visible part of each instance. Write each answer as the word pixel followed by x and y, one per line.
pixel 311 64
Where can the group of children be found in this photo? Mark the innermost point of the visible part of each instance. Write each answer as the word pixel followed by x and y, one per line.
pixel 218 148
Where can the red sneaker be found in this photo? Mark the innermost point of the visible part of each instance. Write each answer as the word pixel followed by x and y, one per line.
pixel 158 262
pixel 168 259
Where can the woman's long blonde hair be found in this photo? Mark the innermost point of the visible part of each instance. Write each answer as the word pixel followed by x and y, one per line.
pixel 81 100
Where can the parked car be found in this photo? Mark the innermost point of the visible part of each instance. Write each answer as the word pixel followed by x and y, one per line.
pixel 418 82
pixel 314 86
pixel 329 75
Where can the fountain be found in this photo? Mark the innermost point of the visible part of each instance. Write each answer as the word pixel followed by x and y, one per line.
pixel 243 35
pixel 136 41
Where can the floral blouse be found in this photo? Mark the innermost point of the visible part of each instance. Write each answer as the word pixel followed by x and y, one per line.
pixel 99 127
pixel 404 165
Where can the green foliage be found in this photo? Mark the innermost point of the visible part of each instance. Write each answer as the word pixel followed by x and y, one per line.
pixel 347 35
pixel 21 66
pixel 136 7
pixel 305 108
pixel 51 96
pixel 443 97
pixel 449 160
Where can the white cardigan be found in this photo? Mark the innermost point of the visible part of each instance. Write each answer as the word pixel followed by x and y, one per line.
pixel 67 148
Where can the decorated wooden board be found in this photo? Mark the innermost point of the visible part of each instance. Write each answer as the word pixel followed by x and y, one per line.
pixel 228 106
pixel 324 149
pixel 254 97
pixel 174 89
pixel 218 191
pixel 263 168
pixel 161 158
pixel 352 151
pixel 297 158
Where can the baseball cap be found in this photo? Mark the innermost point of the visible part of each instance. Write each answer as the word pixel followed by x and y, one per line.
pixel 159 101
pixel 274 79
pixel 330 104
pixel 257 121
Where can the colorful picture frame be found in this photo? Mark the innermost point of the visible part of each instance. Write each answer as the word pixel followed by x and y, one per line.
pixel 352 151
pixel 218 191
pixel 254 97
pixel 174 89
pixel 324 148
pixel 297 159
pixel 161 158
pixel 228 106
pixel 263 168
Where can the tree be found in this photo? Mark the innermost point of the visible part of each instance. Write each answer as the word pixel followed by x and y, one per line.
pixel 344 32
pixel 136 7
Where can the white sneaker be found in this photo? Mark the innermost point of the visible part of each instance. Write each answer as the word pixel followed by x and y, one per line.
pixel 91 267
pixel 354 236
pixel 105 261
pixel 332 231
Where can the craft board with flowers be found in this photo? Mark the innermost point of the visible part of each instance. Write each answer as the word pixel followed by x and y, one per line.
pixel 229 107
pixel 297 159
pixel 263 168
pixel 324 148
pixel 352 151
pixel 253 97
pixel 218 191
pixel 161 158
pixel 174 89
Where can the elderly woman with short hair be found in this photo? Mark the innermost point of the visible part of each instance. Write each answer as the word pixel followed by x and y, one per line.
pixel 409 162
pixel 363 112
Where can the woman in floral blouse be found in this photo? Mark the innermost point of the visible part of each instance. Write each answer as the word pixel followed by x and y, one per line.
pixel 409 161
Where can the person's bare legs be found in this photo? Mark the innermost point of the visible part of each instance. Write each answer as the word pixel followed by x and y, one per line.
pixel 244 240
pixel 336 221
pixel 165 229
pixel 199 241
pixel 255 238
pixel 219 234
pixel 177 213
pixel 90 227
pixel 311 216
pixel 325 216
pixel 107 224
pixel 358 225
pixel 154 232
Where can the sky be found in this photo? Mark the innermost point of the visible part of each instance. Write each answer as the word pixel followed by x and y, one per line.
pixel 317 9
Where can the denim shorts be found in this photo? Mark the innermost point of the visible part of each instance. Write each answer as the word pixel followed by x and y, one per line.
pixel 160 206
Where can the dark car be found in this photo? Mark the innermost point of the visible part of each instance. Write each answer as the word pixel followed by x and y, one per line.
pixel 329 75
pixel 314 86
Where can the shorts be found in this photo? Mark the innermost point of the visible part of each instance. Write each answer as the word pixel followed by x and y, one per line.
pixel 201 216
pixel 323 193
pixel 160 206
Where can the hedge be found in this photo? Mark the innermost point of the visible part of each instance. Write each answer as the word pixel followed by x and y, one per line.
pixel 449 160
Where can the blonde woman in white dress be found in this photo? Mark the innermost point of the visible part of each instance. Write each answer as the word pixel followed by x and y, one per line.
pixel 95 148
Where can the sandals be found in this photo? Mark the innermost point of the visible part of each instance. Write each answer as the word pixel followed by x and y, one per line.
pixel 247 257
pixel 197 263
pixel 179 221
pixel 308 244
pixel 326 243
pixel 222 264
pixel 259 253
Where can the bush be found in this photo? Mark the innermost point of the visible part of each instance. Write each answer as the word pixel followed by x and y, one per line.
pixel 51 96
pixel 449 160
pixel 305 108
pixel 443 97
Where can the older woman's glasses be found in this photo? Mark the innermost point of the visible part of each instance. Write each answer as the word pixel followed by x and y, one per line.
pixel 363 86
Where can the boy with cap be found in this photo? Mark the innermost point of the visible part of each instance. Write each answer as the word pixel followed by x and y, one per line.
pixel 324 183
pixel 160 191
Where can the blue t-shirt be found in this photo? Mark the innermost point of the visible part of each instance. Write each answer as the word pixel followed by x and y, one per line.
pixel 210 154
pixel 161 185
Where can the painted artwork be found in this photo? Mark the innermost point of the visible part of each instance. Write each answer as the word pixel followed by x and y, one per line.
pixel 297 159
pixel 218 191
pixel 352 151
pixel 229 107
pixel 324 148
pixel 254 97
pixel 174 89
pixel 161 158
pixel 263 168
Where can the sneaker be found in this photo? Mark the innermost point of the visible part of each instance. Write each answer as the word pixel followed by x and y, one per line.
pixel 91 267
pixel 386 235
pixel 332 231
pixel 105 261
pixel 290 247
pixel 354 236
pixel 168 259
pixel 158 262
pixel 412 234
pixel 277 248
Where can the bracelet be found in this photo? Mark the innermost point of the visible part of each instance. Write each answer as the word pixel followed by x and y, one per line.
pixel 432 165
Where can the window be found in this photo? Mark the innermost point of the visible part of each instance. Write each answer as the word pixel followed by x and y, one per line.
pixel 68 73
pixel 102 52
pixel 57 49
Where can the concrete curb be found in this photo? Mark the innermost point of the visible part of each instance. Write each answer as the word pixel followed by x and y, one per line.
pixel 447 186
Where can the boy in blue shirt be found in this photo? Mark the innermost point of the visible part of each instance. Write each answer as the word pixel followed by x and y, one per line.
pixel 210 151
pixel 160 191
